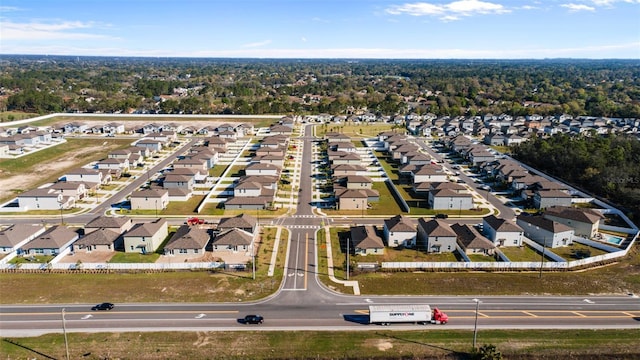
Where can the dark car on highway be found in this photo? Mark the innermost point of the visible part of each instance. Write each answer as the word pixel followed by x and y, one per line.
pixel 253 319
pixel 103 306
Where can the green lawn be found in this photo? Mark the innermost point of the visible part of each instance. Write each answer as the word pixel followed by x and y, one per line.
pixel 520 253
pixel 121 257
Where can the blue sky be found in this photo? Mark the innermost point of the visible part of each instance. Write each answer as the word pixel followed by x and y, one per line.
pixel 431 29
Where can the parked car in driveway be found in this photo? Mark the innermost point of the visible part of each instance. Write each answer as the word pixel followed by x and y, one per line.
pixel 103 306
pixel 253 319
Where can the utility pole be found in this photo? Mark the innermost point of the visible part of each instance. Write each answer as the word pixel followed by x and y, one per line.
pixel 64 331
pixel 348 240
pixel 544 242
pixel 475 324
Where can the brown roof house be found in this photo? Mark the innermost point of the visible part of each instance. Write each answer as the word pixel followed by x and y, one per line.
pixel 435 236
pixel 51 242
pixel 233 240
pixel 145 237
pixel 502 232
pixel 365 241
pixel 545 231
pixel 243 222
pixel 17 235
pixel 400 231
pixel 471 241
pixel 119 224
pixel 585 222
pixel 187 240
pixel 97 240
pixel 149 199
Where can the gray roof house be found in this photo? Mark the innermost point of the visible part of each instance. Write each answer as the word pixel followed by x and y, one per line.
pixel 52 242
pixel 187 240
pixel 17 235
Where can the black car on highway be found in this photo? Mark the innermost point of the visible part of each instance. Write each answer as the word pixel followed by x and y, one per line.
pixel 103 306
pixel 253 319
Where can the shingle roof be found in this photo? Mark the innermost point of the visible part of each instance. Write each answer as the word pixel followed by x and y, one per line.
pixel 188 237
pixel 98 237
pixel 53 238
pixel 242 221
pixel 436 227
pixel 108 222
pixel 16 233
pixel 469 238
pixel 400 223
pixel 146 229
pixel 582 215
pixel 541 222
pixel 502 225
pixel 233 237
pixel 365 237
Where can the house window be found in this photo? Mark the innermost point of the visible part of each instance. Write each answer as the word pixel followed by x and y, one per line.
pixel 195 251
pixel 515 242
pixel 131 247
pixel 449 247
pixel 183 251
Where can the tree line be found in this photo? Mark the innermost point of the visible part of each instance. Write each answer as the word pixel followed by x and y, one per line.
pixel 607 166
pixel 385 87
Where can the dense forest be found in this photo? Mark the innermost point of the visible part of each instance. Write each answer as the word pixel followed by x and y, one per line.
pixel 44 84
pixel 605 165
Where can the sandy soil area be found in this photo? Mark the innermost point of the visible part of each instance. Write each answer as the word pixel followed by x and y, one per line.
pixel 70 160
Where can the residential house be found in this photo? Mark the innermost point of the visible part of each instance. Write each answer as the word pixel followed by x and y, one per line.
pixel 193 163
pixel 97 240
pixel 51 242
pixel 585 222
pixel 449 196
pixel 435 236
pixel 153 145
pixel 365 241
pixel 471 242
pixel 342 170
pixel 359 182
pixel 149 199
pixel 44 199
pixel 429 173
pixel 243 222
pixel 547 198
pixel 187 240
pixel 86 175
pixel 146 237
pixel 348 159
pixel 73 189
pixel 545 231
pixel 352 199
pixel 17 235
pixel 400 231
pixel 256 169
pixel 119 224
pixel 502 232
pixel 233 240
pixel 121 165
pixel 177 181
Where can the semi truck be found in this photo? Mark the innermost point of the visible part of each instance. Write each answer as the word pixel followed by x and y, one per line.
pixel 406 313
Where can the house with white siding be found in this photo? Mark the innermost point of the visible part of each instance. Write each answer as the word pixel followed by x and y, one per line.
pixel 399 231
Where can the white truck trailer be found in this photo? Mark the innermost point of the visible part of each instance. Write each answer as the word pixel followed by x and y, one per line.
pixel 406 313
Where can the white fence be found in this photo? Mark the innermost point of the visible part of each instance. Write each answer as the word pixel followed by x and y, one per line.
pixel 115 266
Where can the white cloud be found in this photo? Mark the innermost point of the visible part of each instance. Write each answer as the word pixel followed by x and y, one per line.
pixel 304 39
pixel 257 44
pixel 611 2
pixel 448 12
pixel 48 31
pixel 578 7
pixel 5 9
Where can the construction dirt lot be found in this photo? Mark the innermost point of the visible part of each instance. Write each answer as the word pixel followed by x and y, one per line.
pixel 30 177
